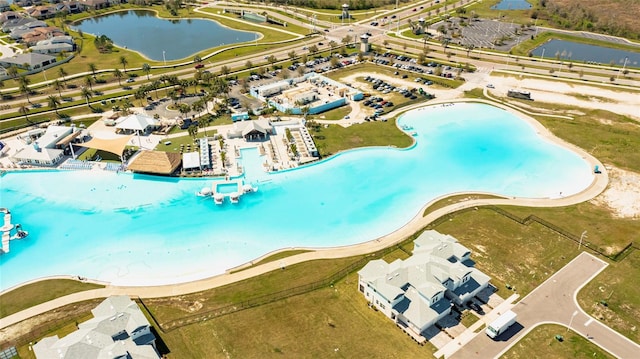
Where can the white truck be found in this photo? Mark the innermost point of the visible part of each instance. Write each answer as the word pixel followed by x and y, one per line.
pixel 501 324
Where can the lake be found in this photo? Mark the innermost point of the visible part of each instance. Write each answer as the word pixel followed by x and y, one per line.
pixel 512 5
pixel 161 39
pixel 587 53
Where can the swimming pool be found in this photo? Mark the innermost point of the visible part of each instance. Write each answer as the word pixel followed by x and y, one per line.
pixel 142 230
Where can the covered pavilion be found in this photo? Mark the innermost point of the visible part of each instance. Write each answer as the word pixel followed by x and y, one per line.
pixel 156 162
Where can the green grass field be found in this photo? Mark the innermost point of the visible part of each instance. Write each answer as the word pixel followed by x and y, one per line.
pixel 541 343
pixel 33 294
pixel 334 138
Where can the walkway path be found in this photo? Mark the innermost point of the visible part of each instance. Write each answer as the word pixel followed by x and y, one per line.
pixel 555 302
pixel 418 222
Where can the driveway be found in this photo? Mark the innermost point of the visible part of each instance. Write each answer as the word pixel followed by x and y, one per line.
pixel 555 302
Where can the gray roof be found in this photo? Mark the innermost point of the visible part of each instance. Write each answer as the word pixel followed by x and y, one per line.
pixel 7 26
pixel 28 58
pixel 421 277
pixel 106 336
pixel 440 244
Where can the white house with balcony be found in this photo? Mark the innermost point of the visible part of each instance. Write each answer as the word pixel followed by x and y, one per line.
pixel 417 292
pixel 118 329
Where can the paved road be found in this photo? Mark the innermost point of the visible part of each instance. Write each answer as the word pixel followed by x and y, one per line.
pixel 555 302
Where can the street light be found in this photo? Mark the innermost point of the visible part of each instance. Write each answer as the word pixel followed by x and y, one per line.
pixel 571 320
pixel 623 66
pixel 582 236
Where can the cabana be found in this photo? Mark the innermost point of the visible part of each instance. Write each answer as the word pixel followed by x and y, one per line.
pixel 137 123
pixel 155 162
pixel 191 160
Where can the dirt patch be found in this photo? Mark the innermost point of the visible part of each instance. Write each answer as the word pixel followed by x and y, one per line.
pixel 623 193
pixel 35 327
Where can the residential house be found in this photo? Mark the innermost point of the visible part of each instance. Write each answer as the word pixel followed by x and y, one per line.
pixel 39 34
pixel 27 61
pixel 41 12
pixel 9 15
pixel 10 24
pixel 118 329
pixel 71 7
pixel 95 4
pixel 25 3
pixel 419 291
pixel 17 32
pixel 4 6
pixel 54 45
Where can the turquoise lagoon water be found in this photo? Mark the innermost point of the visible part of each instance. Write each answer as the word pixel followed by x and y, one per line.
pixel 142 230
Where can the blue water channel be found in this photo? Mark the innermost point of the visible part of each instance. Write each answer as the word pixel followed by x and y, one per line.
pixel 142 230
pixel 568 50
pixel 162 39
pixel 512 5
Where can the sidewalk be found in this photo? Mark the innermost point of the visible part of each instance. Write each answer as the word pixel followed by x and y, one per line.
pixel 472 331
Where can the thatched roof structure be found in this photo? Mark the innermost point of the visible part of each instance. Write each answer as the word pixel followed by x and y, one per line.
pixel 157 162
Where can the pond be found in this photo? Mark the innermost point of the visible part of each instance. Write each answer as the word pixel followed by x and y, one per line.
pixel 587 53
pixel 161 39
pixel 512 5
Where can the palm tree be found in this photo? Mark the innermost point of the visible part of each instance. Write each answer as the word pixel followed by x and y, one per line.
pixel 147 69
pixel 124 63
pixel 292 55
pixel 93 68
pixel 155 85
pixel 184 109
pixel 248 64
pixel 140 95
pixel 470 48
pixel 54 103
pixel 58 86
pixel 24 86
pixel 88 81
pixel 118 74
pixel 198 107
pixel 24 110
pixel 12 71
pixel 62 74
pixel 87 95
pixel 126 105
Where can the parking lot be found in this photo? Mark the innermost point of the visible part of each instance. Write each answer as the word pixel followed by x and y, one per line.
pixel 483 33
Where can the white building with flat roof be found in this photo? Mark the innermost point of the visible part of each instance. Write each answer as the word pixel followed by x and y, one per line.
pixel 45 148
